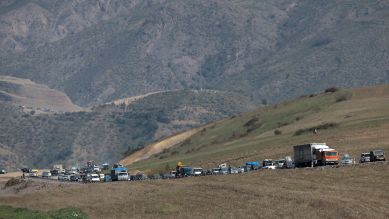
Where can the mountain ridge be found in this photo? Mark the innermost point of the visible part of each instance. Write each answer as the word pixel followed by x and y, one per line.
pixel 269 50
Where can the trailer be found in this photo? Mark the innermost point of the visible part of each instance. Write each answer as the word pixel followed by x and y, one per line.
pixel 314 154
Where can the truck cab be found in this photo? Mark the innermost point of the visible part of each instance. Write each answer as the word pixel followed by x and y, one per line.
pixel 327 157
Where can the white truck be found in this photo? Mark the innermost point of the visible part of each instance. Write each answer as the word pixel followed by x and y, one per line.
pixel 314 154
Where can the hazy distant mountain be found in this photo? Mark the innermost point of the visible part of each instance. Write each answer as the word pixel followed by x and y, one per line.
pixel 98 51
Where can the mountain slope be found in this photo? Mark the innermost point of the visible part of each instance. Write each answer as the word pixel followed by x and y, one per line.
pixel 353 121
pixel 27 94
pixel 99 51
pixel 106 132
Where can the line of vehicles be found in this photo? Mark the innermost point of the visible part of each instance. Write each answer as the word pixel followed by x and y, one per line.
pixel 305 155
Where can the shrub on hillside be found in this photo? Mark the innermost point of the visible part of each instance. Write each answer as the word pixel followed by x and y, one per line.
pixel 251 122
pixel 277 132
pixel 319 127
pixel 331 90
pixel 344 97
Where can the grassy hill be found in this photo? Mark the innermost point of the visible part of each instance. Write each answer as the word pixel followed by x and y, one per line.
pixel 352 121
pixel 106 132
pixel 266 50
pixel 356 121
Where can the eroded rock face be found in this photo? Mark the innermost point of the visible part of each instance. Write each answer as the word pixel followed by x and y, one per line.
pixel 27 24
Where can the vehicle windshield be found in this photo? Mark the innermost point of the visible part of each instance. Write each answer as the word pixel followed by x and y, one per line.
pixel 123 174
pixel 330 153
pixel 197 170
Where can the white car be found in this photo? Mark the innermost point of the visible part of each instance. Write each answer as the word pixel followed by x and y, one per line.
pixel 95 177
pixel 197 171
pixel 46 174
pixel 234 170
pixel 280 163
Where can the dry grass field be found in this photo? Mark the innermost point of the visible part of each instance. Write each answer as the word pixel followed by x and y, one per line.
pixel 346 192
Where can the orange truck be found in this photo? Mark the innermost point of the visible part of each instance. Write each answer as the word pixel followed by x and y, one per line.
pixel 315 154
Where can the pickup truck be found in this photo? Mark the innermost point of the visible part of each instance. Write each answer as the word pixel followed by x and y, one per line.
pixel 377 155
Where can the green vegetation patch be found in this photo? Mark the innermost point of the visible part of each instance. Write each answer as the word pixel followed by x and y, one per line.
pixel 8 212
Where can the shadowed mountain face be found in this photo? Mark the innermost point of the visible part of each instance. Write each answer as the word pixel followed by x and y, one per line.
pixel 99 51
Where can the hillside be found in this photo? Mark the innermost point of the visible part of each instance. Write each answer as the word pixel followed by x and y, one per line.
pixel 101 51
pixel 108 131
pixel 34 97
pixel 352 121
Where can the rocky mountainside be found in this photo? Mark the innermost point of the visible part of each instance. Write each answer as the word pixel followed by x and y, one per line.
pixel 99 51
pixel 106 132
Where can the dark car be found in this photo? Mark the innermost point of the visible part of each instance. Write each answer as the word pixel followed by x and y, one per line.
pixel 26 170
pixel 3 171
pixel 54 172
pixel 377 155
pixel 75 178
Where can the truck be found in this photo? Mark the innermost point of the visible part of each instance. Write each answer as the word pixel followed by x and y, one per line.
pixel 377 155
pixel 182 170
pixel 119 174
pixel 314 154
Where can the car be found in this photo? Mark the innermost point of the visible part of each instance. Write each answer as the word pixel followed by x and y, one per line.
pixel 197 171
pixel 102 176
pixel 377 155
pixel 141 176
pixel 346 159
pixel 75 178
pixel 155 176
pixel 54 172
pixel 3 171
pixel 60 177
pixel 216 171
pixel 46 174
pixel 94 177
pixel 33 173
pixel 269 164
pixel 26 170
pixel 280 163
pixel 234 170
pixel 66 177
pixel 241 169
pixel 288 163
pixel 224 170
pixel 365 157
